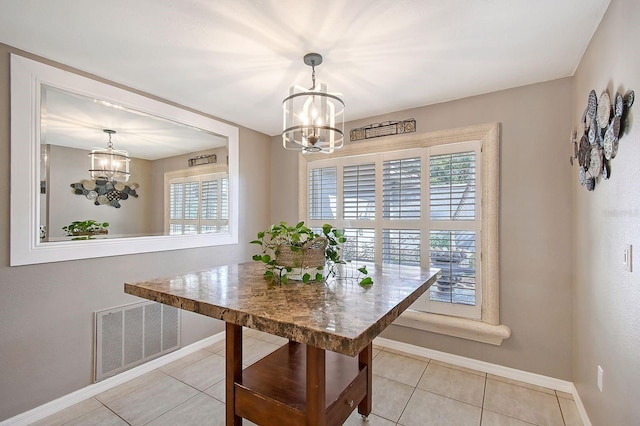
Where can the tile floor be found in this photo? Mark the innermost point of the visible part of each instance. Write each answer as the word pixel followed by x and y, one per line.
pixel 407 390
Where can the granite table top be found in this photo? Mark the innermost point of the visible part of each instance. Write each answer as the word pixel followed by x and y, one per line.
pixel 338 315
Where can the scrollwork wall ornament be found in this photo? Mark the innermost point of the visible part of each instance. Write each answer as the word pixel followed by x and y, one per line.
pixel 595 140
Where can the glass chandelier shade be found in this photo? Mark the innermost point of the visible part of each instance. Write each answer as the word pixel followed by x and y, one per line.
pixel 109 163
pixel 313 119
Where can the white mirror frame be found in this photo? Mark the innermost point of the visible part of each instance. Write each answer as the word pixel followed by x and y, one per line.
pixel 27 78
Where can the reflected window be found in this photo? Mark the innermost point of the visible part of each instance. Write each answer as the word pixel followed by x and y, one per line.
pixel 198 204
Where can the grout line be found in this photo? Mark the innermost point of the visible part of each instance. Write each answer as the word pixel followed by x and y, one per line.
pixel 560 408
pixel 116 414
pixel 484 395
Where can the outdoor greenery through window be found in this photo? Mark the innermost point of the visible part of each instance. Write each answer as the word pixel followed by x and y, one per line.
pixel 198 204
pixel 416 207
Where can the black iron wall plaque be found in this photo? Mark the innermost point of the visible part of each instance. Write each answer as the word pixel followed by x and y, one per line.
pixel 386 128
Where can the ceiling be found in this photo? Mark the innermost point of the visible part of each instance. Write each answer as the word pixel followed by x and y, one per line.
pixel 236 59
pixel 79 122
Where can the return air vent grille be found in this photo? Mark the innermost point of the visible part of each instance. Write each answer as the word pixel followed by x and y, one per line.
pixel 130 335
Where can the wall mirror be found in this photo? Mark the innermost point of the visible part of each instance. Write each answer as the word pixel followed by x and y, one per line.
pixel 181 190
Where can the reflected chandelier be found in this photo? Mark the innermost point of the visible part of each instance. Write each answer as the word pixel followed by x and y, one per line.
pixel 313 120
pixel 108 163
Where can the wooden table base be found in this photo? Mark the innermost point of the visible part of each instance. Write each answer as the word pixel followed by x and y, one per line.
pixel 295 385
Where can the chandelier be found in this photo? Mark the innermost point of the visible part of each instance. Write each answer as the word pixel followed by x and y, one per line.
pixel 313 120
pixel 108 163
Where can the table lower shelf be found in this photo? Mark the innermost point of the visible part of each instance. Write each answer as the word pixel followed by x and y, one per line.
pixel 274 389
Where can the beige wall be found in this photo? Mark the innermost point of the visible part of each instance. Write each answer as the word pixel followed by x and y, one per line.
pixel 69 165
pixel 607 299
pixel 535 221
pixel 46 310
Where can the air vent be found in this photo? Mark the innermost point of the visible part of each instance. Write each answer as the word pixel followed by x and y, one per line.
pixel 130 335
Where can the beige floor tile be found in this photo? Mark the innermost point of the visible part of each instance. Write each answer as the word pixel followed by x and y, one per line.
pixel 522 384
pixel 375 352
pixel 522 403
pixel 130 386
pixel 145 404
pixel 70 413
pixel 490 418
pixel 457 367
pixel 196 411
pixel 570 412
pixel 426 408
pixel 216 348
pixel 203 373
pixel 183 362
pixel 456 384
pixel 247 332
pixel 389 398
pixel 217 391
pixel 100 417
pixel 255 349
pixel 399 368
pixel 355 419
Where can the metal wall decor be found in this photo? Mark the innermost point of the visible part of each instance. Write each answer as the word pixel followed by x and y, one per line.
pixel 595 140
pixel 104 192
pixel 386 128
pixel 203 159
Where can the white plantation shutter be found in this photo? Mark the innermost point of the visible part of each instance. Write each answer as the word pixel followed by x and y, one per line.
pixel 359 191
pixel 417 207
pixel 198 204
pixel 401 246
pixel 209 199
pixel 191 200
pixel 360 245
pixel 455 254
pixel 455 225
pixel 176 203
pixel 224 199
pixel 322 193
pixel 452 186
pixel 401 189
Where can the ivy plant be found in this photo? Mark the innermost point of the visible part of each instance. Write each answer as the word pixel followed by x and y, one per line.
pixel 85 229
pixel 294 237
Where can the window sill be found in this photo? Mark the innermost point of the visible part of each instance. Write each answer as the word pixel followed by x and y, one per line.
pixel 453 326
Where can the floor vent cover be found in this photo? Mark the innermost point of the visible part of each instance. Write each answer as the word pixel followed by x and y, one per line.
pixel 130 335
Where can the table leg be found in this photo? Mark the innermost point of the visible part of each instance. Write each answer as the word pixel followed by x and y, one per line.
pixel 233 371
pixel 364 360
pixel 316 387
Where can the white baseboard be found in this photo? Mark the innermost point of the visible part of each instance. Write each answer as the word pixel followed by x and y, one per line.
pixel 66 401
pixel 487 367
pixel 44 410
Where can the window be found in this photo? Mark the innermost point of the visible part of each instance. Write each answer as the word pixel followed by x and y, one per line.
pixel 198 204
pixel 444 221
pixel 426 200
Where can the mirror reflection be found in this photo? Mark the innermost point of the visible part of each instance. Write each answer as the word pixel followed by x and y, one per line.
pixel 109 172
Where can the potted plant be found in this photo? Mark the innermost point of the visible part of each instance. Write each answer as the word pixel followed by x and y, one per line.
pixel 299 253
pixel 85 229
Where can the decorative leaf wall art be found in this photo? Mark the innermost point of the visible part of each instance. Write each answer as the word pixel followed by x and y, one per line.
pixel 595 140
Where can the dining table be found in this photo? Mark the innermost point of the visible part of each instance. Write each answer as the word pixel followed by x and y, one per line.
pixel 324 371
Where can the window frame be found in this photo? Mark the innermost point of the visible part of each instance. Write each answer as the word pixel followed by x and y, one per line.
pixel 487 328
